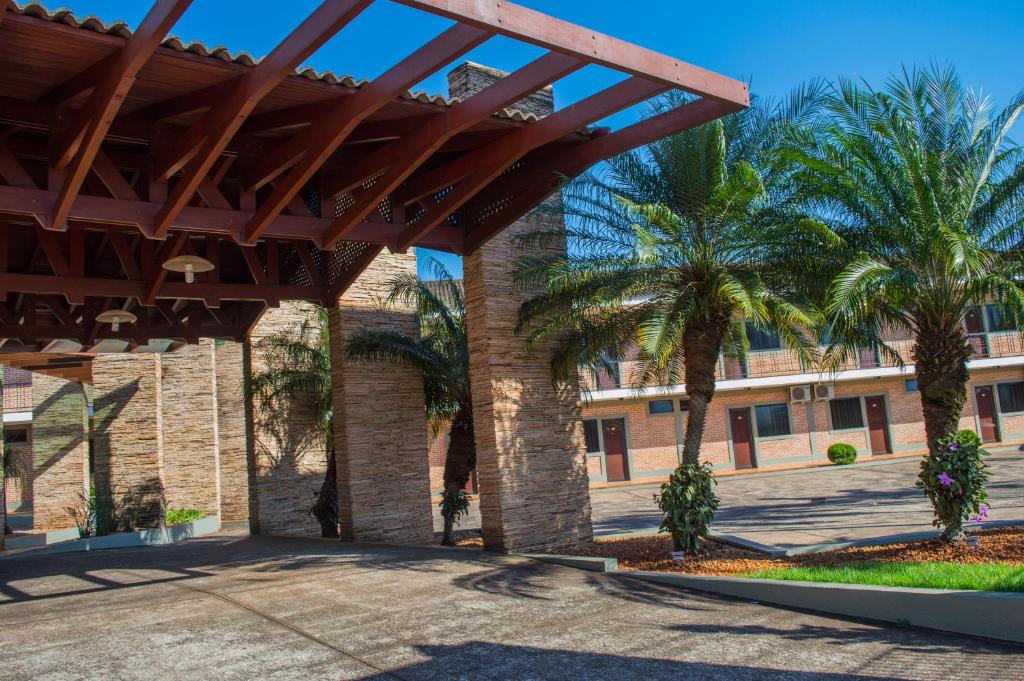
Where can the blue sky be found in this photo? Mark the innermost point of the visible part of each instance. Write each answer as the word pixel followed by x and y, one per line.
pixel 774 45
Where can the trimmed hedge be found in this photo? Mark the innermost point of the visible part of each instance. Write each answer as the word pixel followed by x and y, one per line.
pixel 842 454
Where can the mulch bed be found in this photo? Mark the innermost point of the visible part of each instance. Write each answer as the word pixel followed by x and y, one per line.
pixel 998 545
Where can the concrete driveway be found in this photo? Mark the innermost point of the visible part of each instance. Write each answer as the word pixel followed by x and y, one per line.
pixel 246 608
pixel 815 506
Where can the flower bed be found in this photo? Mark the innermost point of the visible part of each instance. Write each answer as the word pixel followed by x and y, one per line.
pixel 999 545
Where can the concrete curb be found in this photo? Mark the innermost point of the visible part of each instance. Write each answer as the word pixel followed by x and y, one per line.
pixel 986 614
pixel 122 540
pixel 589 563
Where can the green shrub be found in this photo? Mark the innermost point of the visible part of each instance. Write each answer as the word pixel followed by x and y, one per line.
pixel 842 454
pixel 688 503
pixel 953 477
pixel 177 516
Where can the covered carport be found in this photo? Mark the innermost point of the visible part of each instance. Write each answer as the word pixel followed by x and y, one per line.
pixel 153 191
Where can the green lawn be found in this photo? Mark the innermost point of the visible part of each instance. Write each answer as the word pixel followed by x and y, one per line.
pixel 978 577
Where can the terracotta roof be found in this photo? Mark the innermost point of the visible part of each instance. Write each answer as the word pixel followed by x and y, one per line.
pixel 121 29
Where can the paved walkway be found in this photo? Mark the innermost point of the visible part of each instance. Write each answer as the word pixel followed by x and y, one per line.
pixel 245 608
pixel 808 507
pixel 818 505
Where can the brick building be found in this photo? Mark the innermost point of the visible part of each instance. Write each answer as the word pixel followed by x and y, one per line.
pixel 770 411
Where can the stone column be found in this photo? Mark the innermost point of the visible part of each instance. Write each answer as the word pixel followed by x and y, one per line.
pixel 128 434
pixel 531 456
pixel 60 450
pixel 290 456
pixel 379 419
pixel 191 461
pixel 232 433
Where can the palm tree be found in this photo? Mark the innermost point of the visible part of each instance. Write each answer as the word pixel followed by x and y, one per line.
pixel 670 246
pixel 923 184
pixel 298 366
pixel 441 353
pixel 12 470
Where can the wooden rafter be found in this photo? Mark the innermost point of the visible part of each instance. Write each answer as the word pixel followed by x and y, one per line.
pixel 521 23
pixel 401 158
pixel 536 184
pixel 203 143
pixel 313 146
pixel 475 171
pixel 80 143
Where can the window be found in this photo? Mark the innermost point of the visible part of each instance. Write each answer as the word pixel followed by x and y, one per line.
pixel 910 385
pixel 591 435
pixel 846 413
pixel 684 406
pixel 997 319
pixel 761 339
pixel 16 435
pixel 659 407
pixel 772 420
pixel 1011 397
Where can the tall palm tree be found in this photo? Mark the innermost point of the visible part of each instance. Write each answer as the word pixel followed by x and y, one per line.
pixel 922 183
pixel 441 353
pixel 297 365
pixel 670 246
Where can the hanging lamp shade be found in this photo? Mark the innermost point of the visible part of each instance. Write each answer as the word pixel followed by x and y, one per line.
pixel 189 264
pixel 115 318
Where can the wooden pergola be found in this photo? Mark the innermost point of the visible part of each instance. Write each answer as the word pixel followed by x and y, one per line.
pixel 120 150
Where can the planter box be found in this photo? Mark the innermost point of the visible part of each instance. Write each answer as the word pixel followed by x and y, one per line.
pixel 121 540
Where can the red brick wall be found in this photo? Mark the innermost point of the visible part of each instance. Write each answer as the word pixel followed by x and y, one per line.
pixel 652 438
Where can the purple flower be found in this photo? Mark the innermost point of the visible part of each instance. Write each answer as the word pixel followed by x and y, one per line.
pixel 953 446
pixel 945 480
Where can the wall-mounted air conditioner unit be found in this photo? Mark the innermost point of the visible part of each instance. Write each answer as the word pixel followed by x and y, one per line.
pixel 824 391
pixel 800 393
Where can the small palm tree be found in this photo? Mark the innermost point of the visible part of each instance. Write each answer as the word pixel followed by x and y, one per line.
pixel 923 184
pixel 670 246
pixel 12 471
pixel 298 366
pixel 441 353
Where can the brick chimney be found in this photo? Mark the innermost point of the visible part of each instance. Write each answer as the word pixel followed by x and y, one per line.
pixel 469 78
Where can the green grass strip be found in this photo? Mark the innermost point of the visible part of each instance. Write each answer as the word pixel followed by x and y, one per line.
pixel 932 575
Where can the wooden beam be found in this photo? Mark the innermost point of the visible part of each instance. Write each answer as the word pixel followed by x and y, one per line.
pixel 476 170
pixel 141 216
pixel 12 171
pixel 308 150
pixel 125 254
pixel 95 287
pixel 54 253
pixel 536 184
pixel 403 157
pixel 78 147
pixel 205 141
pixel 550 33
pixel 169 250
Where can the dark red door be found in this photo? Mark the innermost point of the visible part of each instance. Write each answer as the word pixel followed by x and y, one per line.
pixel 987 413
pixel 742 438
pixel 878 424
pixel 614 432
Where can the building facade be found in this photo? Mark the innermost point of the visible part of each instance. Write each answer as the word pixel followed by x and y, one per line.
pixel 772 412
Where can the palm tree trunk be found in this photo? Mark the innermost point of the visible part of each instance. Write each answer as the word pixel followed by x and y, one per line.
pixel 702 343
pixel 940 356
pixel 326 507
pixel 458 465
